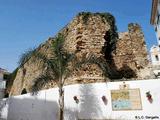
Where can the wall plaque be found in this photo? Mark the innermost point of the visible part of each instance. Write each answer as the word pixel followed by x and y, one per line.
pixel 126 99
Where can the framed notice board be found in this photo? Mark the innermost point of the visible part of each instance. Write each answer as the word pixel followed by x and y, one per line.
pixel 126 99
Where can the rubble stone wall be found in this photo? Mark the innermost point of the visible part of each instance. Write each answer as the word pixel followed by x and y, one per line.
pixel 131 51
pixel 85 39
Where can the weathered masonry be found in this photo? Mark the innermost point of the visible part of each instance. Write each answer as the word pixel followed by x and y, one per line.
pixel 93 34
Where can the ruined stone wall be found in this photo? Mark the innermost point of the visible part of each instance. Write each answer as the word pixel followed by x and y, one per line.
pixel 131 52
pixel 80 37
pixel 84 39
pixel 26 74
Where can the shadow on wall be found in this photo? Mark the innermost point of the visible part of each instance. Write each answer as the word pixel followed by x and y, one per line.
pixel 70 114
pixel 32 109
pixel 127 72
pixel 108 50
pixel 24 91
pixel 89 107
pixel 3 108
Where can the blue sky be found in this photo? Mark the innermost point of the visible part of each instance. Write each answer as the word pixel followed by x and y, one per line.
pixel 27 23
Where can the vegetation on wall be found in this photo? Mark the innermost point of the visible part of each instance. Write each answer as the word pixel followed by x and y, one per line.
pixel 25 57
pixel 10 79
pixel 85 16
pixel 113 30
pixel 112 35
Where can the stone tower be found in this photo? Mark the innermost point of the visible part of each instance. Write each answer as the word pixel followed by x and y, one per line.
pixel 131 52
pixel 87 34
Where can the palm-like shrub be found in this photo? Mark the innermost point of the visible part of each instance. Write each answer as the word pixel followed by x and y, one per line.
pixel 56 67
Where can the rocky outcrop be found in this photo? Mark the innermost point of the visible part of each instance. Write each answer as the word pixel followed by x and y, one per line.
pixel 92 34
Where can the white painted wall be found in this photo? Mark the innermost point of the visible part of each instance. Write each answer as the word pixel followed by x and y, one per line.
pixel 2 84
pixel 44 106
pixel 157 24
pixel 155 51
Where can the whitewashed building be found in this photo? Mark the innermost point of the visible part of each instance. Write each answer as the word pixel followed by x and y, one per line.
pixel 3 78
pixel 155 18
pixel 155 55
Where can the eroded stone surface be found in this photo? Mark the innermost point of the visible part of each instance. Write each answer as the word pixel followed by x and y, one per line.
pixel 131 51
pixel 86 39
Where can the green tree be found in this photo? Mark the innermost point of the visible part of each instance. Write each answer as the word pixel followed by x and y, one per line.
pixel 55 68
